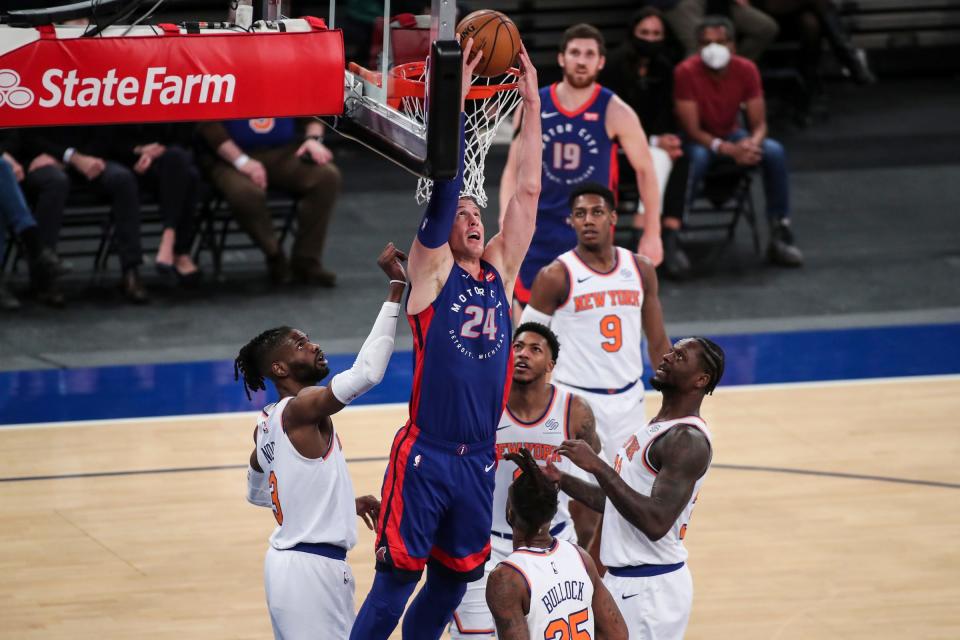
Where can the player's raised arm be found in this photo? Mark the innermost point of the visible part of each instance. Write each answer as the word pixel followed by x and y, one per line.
pixel 626 128
pixel 508 597
pixel 430 254
pixel 312 404
pixel 507 249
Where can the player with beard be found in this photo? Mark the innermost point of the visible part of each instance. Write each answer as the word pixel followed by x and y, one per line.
pixel 583 125
pixel 438 489
pixel 538 417
pixel 648 495
pixel 298 469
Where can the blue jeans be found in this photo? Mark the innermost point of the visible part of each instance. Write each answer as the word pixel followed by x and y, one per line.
pixel 14 211
pixel 776 181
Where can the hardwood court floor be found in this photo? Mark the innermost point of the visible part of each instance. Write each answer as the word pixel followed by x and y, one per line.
pixel 774 554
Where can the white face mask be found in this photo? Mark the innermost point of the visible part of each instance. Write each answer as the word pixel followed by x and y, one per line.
pixel 715 56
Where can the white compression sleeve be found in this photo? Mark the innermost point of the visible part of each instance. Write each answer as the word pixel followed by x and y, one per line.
pixel 533 315
pixel 371 363
pixel 258 488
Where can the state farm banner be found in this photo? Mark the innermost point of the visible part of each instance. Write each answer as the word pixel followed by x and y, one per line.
pixel 172 77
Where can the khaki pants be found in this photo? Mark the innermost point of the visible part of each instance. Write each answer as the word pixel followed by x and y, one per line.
pixel 317 188
pixel 755 29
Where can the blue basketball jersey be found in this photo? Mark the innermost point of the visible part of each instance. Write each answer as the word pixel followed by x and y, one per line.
pixel 576 149
pixel 462 358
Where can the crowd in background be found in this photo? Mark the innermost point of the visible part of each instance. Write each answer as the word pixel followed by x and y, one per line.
pixel 687 67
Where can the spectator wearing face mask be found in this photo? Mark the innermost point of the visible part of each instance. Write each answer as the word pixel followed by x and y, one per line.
pixel 709 90
pixel 641 72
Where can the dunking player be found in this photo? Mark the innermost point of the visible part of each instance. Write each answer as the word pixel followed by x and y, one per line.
pixel 583 123
pixel 438 487
pixel 546 588
pixel 538 417
pixel 599 298
pixel 648 494
pixel 297 468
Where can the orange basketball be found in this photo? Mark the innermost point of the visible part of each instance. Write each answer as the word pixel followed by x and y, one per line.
pixel 495 35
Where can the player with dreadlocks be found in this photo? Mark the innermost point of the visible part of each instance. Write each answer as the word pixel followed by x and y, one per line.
pixel 298 469
pixel 546 588
pixel 647 496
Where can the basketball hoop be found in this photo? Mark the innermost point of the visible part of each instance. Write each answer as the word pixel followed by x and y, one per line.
pixel 490 100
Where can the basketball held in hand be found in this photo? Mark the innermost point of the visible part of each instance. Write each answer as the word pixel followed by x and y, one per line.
pixel 495 35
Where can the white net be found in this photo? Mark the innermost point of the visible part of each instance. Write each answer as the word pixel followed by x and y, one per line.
pixel 484 116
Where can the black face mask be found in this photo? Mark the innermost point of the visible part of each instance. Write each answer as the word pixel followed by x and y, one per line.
pixel 646 48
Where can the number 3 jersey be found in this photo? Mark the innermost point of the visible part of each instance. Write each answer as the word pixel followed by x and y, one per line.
pixel 462 347
pixel 312 498
pixel 599 325
pixel 561 592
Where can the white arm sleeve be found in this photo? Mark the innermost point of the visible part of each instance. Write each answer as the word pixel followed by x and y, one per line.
pixel 371 363
pixel 533 315
pixel 258 488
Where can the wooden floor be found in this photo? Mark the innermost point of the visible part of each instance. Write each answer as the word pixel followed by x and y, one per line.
pixel 774 554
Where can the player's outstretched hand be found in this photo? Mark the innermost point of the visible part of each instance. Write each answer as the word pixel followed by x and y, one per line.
pixel 368 508
pixel 581 454
pixel 527 84
pixel 391 261
pixel 471 59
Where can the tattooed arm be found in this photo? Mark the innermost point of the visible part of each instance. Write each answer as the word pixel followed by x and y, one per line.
pixel 508 597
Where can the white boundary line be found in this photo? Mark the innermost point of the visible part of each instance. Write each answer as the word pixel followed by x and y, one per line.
pixel 777 386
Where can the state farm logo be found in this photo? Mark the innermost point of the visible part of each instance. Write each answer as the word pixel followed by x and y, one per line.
pixel 155 86
pixel 11 93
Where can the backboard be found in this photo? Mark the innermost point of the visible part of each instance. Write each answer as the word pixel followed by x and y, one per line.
pixel 374 46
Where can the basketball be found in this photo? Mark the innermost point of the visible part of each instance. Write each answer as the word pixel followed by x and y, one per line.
pixel 496 35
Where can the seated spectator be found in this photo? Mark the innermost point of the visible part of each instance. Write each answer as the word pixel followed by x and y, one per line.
pixel 814 21
pixel 709 90
pixel 15 215
pixel 757 29
pixel 285 154
pixel 641 73
pixel 82 153
pixel 158 154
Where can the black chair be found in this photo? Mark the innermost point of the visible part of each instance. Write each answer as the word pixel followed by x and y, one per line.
pixel 711 219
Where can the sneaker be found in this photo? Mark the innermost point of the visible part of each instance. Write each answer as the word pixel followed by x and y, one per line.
pixel 676 264
pixel 8 301
pixel 782 250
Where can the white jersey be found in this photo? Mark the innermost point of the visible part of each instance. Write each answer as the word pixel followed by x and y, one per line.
pixel 312 498
pixel 541 437
pixel 599 324
pixel 622 544
pixel 561 592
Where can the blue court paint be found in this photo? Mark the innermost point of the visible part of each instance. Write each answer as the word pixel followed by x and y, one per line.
pixel 208 387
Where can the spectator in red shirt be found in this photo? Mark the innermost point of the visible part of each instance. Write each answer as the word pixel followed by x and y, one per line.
pixel 709 90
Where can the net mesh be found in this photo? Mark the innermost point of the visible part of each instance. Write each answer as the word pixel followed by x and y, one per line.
pixel 484 115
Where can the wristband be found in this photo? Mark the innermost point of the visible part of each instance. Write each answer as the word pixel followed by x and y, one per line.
pixel 68 154
pixel 403 282
pixel 654 140
pixel 715 145
pixel 241 161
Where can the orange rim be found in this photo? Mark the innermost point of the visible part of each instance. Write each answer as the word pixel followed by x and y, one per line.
pixel 407 84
